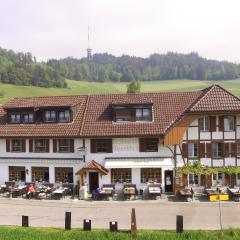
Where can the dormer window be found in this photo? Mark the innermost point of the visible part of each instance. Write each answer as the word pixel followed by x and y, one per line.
pixel 132 113
pixel 50 116
pixel 15 118
pixel 27 117
pixel 143 114
pixel 64 116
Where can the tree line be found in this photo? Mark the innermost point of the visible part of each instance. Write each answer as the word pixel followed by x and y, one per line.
pixel 106 67
pixel 23 69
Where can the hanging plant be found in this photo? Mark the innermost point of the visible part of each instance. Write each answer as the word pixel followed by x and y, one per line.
pixel 198 169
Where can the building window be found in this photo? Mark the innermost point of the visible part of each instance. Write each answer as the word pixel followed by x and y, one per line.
pixel 18 145
pixel 121 175
pixel 101 145
pixel 192 150
pixel 143 114
pixel 204 124
pixel 64 116
pixel 64 145
pixel 151 175
pixel 40 174
pixel 27 117
pixel 15 118
pixel 193 179
pixel 229 124
pixel 41 145
pixel 148 144
pixel 64 175
pixel 17 173
pixel 218 178
pixel 123 115
pixel 217 150
pixel 50 116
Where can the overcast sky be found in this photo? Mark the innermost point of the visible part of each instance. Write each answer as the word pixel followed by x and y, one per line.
pixel 58 28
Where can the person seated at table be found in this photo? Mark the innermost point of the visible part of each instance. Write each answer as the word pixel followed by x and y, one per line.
pixel 97 193
pixel 31 191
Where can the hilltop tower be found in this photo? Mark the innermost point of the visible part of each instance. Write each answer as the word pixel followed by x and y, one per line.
pixel 89 50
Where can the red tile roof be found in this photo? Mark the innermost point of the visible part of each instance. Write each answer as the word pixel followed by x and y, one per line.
pixel 166 109
pixel 44 130
pixel 94 116
pixel 93 165
pixel 216 99
pixel 36 102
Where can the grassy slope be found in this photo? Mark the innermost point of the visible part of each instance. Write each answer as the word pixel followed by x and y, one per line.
pixel 18 233
pixel 74 88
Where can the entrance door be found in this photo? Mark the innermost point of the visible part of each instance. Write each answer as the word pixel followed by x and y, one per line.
pixel 93 181
pixel 168 181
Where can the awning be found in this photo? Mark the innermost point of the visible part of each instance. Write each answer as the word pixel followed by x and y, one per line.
pixel 138 162
pixel 93 165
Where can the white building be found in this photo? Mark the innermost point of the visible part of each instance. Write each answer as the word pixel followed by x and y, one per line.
pixel 119 138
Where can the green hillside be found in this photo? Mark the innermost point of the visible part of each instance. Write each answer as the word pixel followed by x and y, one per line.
pixel 8 91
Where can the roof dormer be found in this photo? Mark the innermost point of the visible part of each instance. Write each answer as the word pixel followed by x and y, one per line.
pixel 122 113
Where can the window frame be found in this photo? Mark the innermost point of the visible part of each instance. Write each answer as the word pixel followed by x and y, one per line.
pixel 62 173
pixel 52 120
pixel 216 180
pixel 14 173
pixel 40 172
pixel 44 146
pixel 67 147
pixel 121 175
pixel 65 119
pixel 14 114
pixel 206 124
pixel 21 146
pixel 141 117
pixel 217 150
pixel 27 114
pixel 154 174
pixel 194 150
pixel 195 179
pixel 231 125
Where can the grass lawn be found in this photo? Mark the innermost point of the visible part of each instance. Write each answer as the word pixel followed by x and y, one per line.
pixel 19 233
pixel 8 91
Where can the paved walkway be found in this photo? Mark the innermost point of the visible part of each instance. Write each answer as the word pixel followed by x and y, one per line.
pixel 150 214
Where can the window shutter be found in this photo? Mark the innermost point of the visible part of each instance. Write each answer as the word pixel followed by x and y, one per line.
pixel 221 123
pixel 30 145
pixel 202 150
pixel 233 149
pixel 55 145
pixel 226 149
pixel 213 123
pixel 184 150
pixel 109 146
pixel 23 145
pixel 141 145
pixel 208 180
pixel 93 145
pixel 71 145
pixel 47 145
pixel 227 180
pixel 185 180
pixel 203 180
pixel 7 145
pixel 209 150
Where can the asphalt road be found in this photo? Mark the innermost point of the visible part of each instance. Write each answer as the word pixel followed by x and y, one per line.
pixel 150 214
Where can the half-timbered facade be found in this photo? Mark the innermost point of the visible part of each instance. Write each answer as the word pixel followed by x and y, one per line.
pixel 120 138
